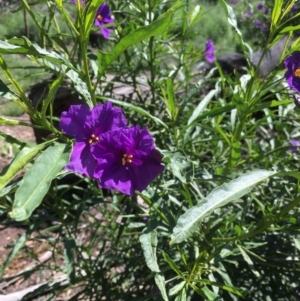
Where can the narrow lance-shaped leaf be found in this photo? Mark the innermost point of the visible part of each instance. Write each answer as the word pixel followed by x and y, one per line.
pixel 138 110
pixel 70 259
pixel 148 240
pixel 202 106
pixel 276 13
pixel 161 284
pixel 155 28
pixel 5 92
pixel 37 180
pixel 26 154
pixel 220 196
pixel 17 247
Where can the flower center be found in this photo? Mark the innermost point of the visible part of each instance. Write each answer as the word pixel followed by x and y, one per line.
pixel 99 18
pixel 94 139
pixel 126 159
pixel 297 72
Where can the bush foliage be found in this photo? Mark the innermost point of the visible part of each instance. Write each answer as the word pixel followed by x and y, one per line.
pixel 221 221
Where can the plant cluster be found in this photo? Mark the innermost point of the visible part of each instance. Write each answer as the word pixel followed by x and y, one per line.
pixel 194 195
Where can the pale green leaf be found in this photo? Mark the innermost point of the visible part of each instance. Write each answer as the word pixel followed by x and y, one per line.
pixel 37 180
pixel 148 240
pixel 220 196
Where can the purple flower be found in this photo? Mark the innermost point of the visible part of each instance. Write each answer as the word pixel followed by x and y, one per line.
pixel 266 10
pixel 103 17
pixel 292 75
pixel 209 52
pixel 249 14
pixel 258 23
pixel 87 126
pixel 260 6
pixel 127 160
pixel 235 2
pixel 265 27
pixel 294 145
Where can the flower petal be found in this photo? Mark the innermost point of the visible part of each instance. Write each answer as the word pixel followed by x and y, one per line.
pixel 106 118
pixel 131 175
pixel 75 121
pixel 103 10
pixel 82 161
pixel 105 32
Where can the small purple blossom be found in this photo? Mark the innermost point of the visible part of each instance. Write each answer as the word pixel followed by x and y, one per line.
pixel 292 75
pixel 103 17
pixel 258 23
pixel 294 145
pixel 249 14
pixel 235 2
pixel 265 10
pixel 260 6
pixel 209 52
pixel 127 160
pixel 87 126
pixel 264 27
pixel 295 9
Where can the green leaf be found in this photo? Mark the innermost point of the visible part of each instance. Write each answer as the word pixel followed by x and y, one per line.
pixel 143 33
pixel 148 240
pixel 26 154
pixel 173 265
pixel 220 196
pixel 90 14
pixel 17 247
pixel 249 261
pixel 210 295
pixel 37 180
pixel 276 13
pixel 289 29
pixel 179 164
pixel 54 86
pixel 297 243
pixel 169 100
pixel 177 288
pixel 235 153
pixel 160 282
pixel 202 106
pixel 138 110
pixel 70 259
pixel 5 92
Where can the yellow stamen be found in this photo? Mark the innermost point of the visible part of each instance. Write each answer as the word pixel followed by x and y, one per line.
pixel 99 18
pixel 94 139
pixel 127 159
pixel 297 72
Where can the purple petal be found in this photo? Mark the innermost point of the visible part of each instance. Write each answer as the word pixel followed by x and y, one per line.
pixel 292 63
pixel 82 160
pixel 106 118
pixel 209 51
pixel 105 32
pixel 104 10
pixel 294 145
pixel 127 177
pixel 98 23
pixel 72 122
